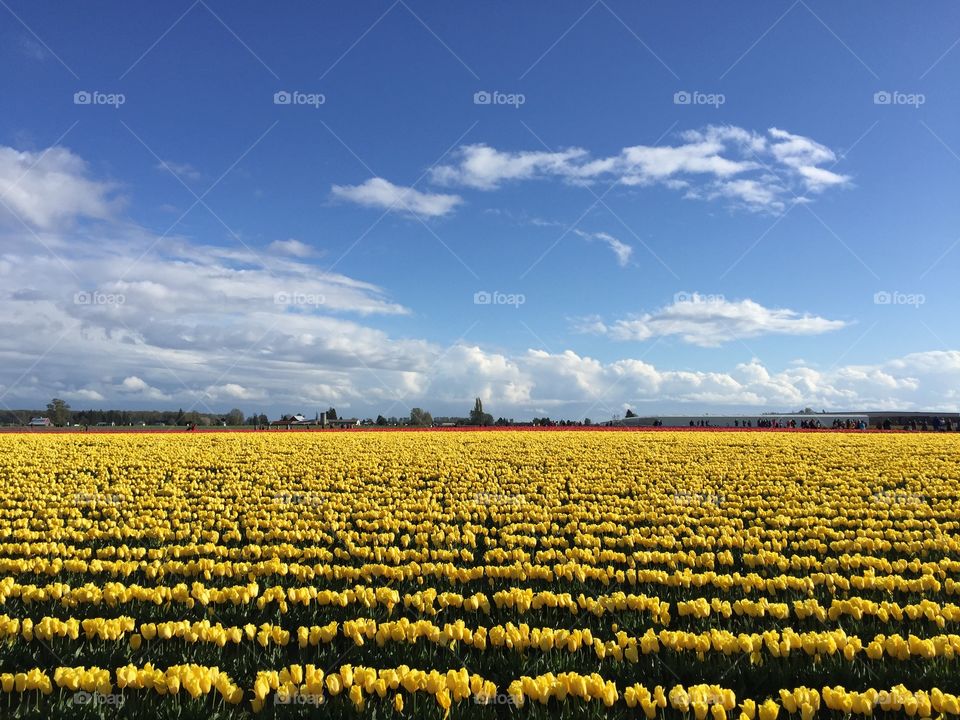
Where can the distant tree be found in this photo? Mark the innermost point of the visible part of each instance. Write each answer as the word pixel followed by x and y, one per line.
pixel 235 417
pixel 502 422
pixel 59 411
pixel 263 419
pixel 587 421
pixel 381 420
pixel 420 418
pixel 190 417
pixel 332 414
pixel 478 416
pixel 629 414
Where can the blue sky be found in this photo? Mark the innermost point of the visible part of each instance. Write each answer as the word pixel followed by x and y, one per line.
pixel 567 211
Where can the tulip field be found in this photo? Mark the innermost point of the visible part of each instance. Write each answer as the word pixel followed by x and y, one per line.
pixel 710 575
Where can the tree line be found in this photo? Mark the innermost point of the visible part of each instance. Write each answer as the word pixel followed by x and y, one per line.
pixel 59 412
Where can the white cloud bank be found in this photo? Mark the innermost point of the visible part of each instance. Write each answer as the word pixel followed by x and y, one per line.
pixel 118 317
pixel 757 171
pixel 710 322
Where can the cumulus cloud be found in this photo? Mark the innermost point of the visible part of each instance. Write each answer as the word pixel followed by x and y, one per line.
pixel 49 188
pixel 380 193
pixel 709 322
pixel 563 376
pixel 138 387
pixel 233 391
pixel 753 170
pixel 84 394
pixel 133 384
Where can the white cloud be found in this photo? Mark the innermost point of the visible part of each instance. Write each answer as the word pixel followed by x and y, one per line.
pixel 291 247
pixel 133 384
pixel 379 193
pixel 50 188
pixel 184 171
pixel 486 168
pixel 233 391
pixel 755 171
pixel 805 155
pixel 621 250
pixel 138 387
pixel 709 322
pixel 85 394
pixel 753 194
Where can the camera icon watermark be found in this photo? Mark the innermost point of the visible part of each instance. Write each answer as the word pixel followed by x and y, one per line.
pixel 686 97
pixel 299 299
pixel 485 97
pixel 896 97
pixel 885 297
pixel 82 697
pixel 96 297
pixel 696 298
pixel 95 97
pixel 483 297
pixel 296 97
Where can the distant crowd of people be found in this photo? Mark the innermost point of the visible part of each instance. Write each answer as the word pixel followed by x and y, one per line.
pixel 936 424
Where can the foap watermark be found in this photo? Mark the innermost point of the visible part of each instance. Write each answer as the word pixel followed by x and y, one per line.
pixel 896 97
pixel 299 298
pixel 299 498
pixel 483 297
pixel 96 297
pixel 500 499
pixel 299 699
pixel 96 499
pixel 698 499
pixel 297 97
pixel 685 97
pixel 697 298
pixel 82 697
pixel 485 97
pixel 899 498
pixel 95 97
pixel 491 699
pixel 886 297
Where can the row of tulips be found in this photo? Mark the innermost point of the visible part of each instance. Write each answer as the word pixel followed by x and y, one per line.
pixel 776 643
pixel 307 683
